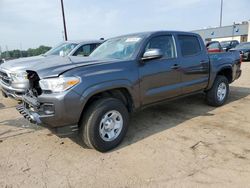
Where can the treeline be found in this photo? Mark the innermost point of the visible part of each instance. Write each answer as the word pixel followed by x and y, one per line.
pixel 14 54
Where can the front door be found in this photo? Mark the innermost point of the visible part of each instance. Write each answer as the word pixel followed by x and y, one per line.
pixel 160 78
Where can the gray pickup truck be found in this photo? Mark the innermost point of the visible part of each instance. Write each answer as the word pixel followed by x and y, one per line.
pixel 13 81
pixel 95 95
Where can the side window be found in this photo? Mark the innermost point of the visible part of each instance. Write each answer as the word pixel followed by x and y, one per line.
pixel 84 50
pixel 164 43
pixel 93 47
pixel 189 45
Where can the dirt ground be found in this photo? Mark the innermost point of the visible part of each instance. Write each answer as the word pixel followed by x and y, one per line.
pixel 183 143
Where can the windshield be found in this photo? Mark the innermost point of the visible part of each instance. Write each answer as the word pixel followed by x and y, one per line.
pixel 117 48
pixel 225 44
pixel 62 49
pixel 243 46
pixel 213 45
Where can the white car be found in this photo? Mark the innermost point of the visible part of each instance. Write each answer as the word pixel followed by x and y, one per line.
pixel 13 81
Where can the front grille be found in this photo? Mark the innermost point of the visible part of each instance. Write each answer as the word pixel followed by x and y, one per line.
pixel 5 78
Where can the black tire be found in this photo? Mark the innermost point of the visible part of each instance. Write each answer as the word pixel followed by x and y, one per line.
pixel 91 123
pixel 211 95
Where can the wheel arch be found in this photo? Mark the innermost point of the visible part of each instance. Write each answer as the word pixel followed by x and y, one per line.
pixel 227 72
pixel 121 90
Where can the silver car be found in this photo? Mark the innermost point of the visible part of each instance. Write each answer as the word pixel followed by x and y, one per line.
pixel 13 81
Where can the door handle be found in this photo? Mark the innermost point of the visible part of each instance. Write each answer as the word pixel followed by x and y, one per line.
pixel 175 66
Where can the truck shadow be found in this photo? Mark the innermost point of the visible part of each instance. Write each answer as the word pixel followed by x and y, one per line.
pixel 158 118
pixel 2 105
pixel 6 103
pixel 17 127
pixel 165 116
pixel 153 120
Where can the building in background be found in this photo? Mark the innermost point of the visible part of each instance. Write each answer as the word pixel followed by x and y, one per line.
pixel 237 31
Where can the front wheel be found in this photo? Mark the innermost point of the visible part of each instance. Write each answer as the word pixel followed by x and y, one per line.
pixel 105 124
pixel 218 94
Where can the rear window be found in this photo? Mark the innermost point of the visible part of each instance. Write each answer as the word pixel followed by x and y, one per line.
pixel 225 44
pixel 190 45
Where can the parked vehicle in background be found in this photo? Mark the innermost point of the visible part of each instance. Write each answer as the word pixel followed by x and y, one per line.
pixel 244 49
pixel 96 94
pixel 13 76
pixel 214 47
pixel 74 48
pixel 227 45
pixel 2 61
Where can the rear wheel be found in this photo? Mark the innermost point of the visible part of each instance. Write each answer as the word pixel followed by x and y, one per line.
pixel 218 94
pixel 104 124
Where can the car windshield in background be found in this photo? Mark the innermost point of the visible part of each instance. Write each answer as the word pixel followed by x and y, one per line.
pixel 117 48
pixel 62 49
pixel 213 45
pixel 243 46
pixel 225 44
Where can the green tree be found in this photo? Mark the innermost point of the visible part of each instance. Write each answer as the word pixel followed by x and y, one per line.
pixel 14 54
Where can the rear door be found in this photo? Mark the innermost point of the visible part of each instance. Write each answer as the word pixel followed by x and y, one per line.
pixel 194 63
pixel 160 78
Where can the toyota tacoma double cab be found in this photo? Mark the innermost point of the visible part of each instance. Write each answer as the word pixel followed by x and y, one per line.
pixel 95 95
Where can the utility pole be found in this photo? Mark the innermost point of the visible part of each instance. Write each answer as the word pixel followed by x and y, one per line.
pixel 64 22
pixel 221 9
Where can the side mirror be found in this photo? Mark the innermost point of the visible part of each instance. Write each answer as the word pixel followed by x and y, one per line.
pixel 152 54
pixel 61 53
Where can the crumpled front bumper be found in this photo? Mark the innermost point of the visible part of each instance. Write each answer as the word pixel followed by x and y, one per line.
pixel 55 111
pixel 28 109
pixel 32 117
pixel 50 113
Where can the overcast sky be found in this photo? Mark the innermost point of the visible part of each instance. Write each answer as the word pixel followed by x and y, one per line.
pixel 30 23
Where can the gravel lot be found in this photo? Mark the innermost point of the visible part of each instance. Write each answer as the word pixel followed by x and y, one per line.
pixel 183 143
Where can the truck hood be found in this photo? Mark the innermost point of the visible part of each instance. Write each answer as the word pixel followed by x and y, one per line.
pixel 53 67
